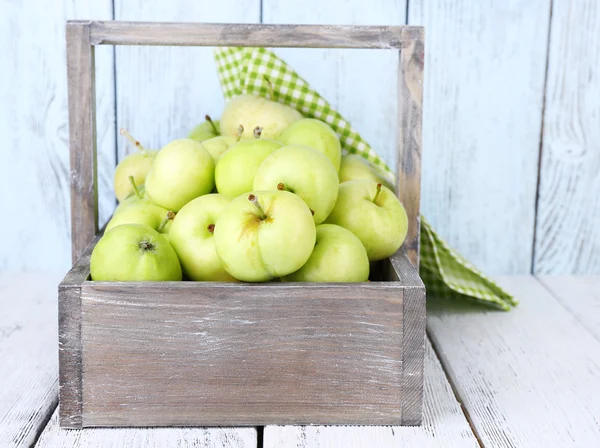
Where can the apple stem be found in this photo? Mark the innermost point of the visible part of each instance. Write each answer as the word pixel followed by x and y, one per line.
pixel 212 123
pixel 128 136
pixel 281 186
pixel 270 88
pixel 377 193
pixel 135 188
pixel 257 132
pixel 240 131
pixel 252 198
pixel 211 228
pixel 170 216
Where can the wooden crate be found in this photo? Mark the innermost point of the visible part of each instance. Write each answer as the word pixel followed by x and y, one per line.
pixel 209 353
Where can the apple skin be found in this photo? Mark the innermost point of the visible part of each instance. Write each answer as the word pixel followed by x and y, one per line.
pixel 256 250
pixel 137 165
pixel 216 146
pixel 134 253
pixel 235 171
pixel 251 111
pixel 147 214
pixel 182 171
pixel 381 225
pixel 204 131
pixel 315 134
pixel 133 199
pixel 303 171
pixel 338 256
pixel 193 241
pixel 355 167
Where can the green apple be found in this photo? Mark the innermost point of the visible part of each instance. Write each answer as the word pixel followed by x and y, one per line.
pixel 374 214
pixel 355 167
pixel 216 146
pixel 147 214
pixel 235 171
pixel 303 171
pixel 137 197
pixel 264 234
pixel 317 135
pixel 134 165
pixel 192 238
pixel 251 111
pixel 182 171
pixel 205 130
pixel 134 253
pixel 338 256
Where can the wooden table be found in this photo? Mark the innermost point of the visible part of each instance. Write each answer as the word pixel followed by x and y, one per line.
pixel 527 378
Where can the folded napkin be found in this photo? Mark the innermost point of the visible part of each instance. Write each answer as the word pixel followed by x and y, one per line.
pixel 260 72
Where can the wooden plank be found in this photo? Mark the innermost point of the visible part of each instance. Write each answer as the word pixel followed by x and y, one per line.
pixel 530 377
pixel 567 236
pixel 27 356
pixel 410 123
pixel 34 125
pixel 69 339
pixel 361 84
pixel 413 336
pixel 244 35
pixel 484 88
pixel 82 137
pixel 173 86
pixel 444 424
pixel 55 437
pixel 207 354
pixel 581 296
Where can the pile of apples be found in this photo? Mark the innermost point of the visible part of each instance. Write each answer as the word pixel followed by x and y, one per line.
pixel 263 194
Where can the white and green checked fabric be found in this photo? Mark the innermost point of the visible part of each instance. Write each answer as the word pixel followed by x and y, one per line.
pixel 260 72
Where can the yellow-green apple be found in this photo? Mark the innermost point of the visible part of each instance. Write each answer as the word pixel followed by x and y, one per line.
pixel 216 146
pixel 192 237
pixel 182 171
pixel 355 167
pixel 251 111
pixel 264 234
pixel 317 135
pixel 338 256
pixel 237 167
pixel 134 165
pixel 374 214
pixel 303 171
pixel 205 130
pixel 147 214
pixel 134 253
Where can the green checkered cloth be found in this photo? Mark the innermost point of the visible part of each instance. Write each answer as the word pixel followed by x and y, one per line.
pixel 260 72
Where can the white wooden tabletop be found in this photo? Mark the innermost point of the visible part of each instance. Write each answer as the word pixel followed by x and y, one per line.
pixel 527 378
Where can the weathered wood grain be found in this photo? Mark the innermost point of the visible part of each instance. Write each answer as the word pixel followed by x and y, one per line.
pixel 173 86
pixel 69 339
pixel 444 424
pixel 82 137
pixel 28 392
pixel 568 230
pixel 34 177
pixel 410 123
pixel 525 378
pixel 361 84
pixel 581 296
pixel 55 437
pixel 484 87
pixel 413 336
pixel 245 35
pixel 191 354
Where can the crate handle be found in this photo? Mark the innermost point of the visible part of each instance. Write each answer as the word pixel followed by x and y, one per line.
pixel 83 36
